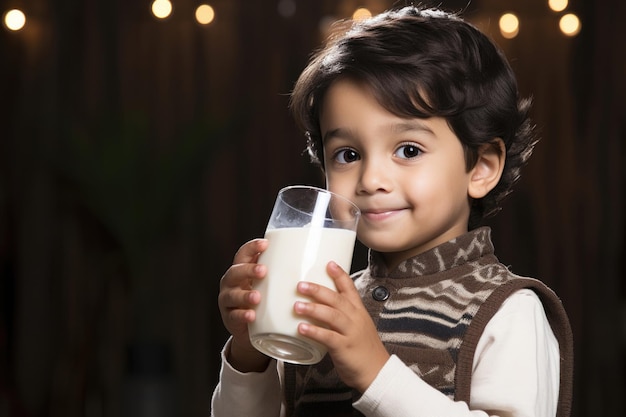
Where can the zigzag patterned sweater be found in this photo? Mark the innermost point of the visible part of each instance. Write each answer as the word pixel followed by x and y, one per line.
pixel 431 311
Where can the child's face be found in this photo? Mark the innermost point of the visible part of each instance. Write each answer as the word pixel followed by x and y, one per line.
pixel 407 176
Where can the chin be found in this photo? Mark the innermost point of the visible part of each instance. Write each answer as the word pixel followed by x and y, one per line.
pixel 383 247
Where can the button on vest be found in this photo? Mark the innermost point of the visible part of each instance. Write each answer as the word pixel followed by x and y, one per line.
pixel 380 293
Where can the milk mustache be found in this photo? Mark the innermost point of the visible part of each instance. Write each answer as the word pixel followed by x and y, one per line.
pixel 295 254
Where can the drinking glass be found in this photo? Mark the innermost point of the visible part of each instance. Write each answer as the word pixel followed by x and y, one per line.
pixel 308 228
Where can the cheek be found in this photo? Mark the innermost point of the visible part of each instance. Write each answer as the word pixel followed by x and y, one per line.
pixel 341 190
pixel 340 183
pixel 334 186
pixel 435 188
pixel 420 187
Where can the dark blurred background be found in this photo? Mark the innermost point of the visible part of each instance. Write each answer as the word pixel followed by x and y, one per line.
pixel 137 154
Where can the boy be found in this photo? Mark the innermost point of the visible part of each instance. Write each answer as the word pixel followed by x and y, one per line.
pixel 414 115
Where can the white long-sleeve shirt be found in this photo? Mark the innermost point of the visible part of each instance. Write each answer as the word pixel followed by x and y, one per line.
pixel 515 374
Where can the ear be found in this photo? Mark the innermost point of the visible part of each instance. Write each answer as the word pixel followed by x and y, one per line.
pixel 488 168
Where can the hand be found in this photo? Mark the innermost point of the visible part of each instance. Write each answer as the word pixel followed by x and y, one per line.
pixel 349 332
pixel 237 300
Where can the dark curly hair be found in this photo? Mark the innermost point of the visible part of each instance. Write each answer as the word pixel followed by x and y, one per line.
pixel 422 62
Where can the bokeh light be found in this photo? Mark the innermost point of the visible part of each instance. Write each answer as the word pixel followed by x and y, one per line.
pixel 205 14
pixel 361 13
pixel 509 25
pixel 557 5
pixel 14 19
pixel 161 8
pixel 570 24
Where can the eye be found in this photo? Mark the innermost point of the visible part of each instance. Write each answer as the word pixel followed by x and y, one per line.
pixel 346 156
pixel 408 151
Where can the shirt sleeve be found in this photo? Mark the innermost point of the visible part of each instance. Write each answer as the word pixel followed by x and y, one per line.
pixel 247 394
pixel 515 372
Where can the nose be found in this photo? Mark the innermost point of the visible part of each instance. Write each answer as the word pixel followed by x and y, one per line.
pixel 375 177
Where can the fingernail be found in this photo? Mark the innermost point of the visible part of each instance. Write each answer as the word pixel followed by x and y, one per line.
pixel 303 286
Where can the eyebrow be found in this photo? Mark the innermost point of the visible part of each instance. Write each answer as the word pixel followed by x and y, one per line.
pixel 337 133
pixel 409 126
pixel 402 127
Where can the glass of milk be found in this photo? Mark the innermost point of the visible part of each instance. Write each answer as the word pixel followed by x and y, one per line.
pixel 308 228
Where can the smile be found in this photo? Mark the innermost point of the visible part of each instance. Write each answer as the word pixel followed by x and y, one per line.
pixel 380 215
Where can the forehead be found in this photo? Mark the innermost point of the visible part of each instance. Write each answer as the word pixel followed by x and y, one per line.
pixel 351 112
pixel 347 105
pixel 397 95
pixel 347 99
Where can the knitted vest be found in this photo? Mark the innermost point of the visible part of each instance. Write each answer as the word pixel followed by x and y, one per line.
pixel 431 311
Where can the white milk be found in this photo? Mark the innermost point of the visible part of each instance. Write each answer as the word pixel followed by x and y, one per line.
pixel 293 255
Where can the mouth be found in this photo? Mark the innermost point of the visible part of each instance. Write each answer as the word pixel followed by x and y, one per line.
pixel 378 215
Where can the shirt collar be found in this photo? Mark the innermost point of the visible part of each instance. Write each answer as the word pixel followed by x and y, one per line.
pixel 460 250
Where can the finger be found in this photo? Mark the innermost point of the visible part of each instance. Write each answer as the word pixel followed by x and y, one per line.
pixel 242 276
pixel 236 291
pixel 249 252
pixel 239 298
pixel 327 337
pixel 242 316
pixel 322 314
pixel 320 293
pixel 343 281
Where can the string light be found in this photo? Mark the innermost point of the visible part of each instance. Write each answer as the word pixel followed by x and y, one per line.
pixel 14 19
pixel 557 5
pixel 509 25
pixel 205 14
pixel 570 24
pixel 161 8
pixel 361 13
